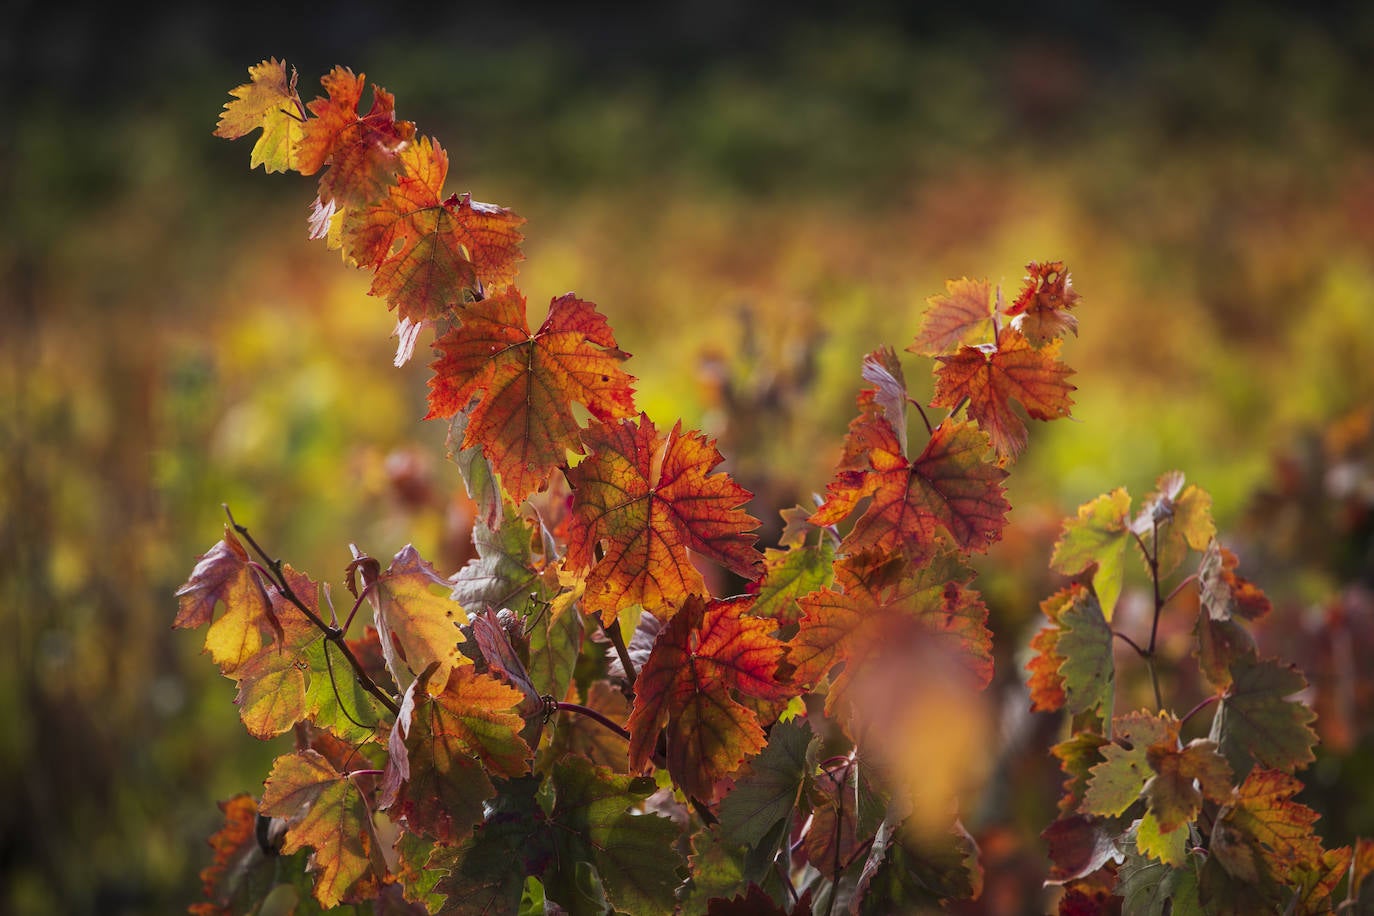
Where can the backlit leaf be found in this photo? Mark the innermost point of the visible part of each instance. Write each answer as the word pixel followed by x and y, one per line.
pixel 1151 888
pixel 1077 754
pixel 647 499
pixel 528 383
pixel 325 811
pixel 769 790
pixel 1117 782
pixel 962 315
pixel 223 575
pixel 361 151
pixel 1042 309
pixel 1174 519
pixel 409 615
pixel 1085 643
pixel 1097 537
pixel 1169 846
pixel 241 873
pixel 706 660
pixel 1224 594
pixel 1262 833
pixel 1046 683
pixel 992 376
pixel 909 871
pixel 950 487
pixel 789 575
pixel 268 102
pixel 1183 778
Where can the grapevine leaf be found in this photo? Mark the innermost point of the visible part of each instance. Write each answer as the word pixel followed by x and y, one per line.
pixel 883 612
pixel 1256 722
pixel 1263 834
pixel 1077 755
pixel 271 697
pixel 754 902
pixel 555 642
pixel 429 252
pixel 269 102
pixel 717 870
pixel 524 419
pixel 409 615
pixel 1088 669
pixel 647 499
pixel 502 660
pixel 632 852
pixel 1179 518
pixel 950 486
pixel 1224 594
pixel 326 811
pixel 789 575
pixel 1362 868
pixel 1046 683
pixel 883 369
pixel 1169 846
pixel 224 575
pixel 334 699
pixel 1041 311
pixel 487 871
pixel 768 792
pixel 1151 888
pixel 502 574
pixel 1118 780
pixel 1079 845
pixel 1183 778
pixel 361 151
pixel 580 736
pixel 1097 537
pixel 991 376
pixel 909 871
pixel 240 873
pixel 1316 883
pixel 707 658
pixel 962 315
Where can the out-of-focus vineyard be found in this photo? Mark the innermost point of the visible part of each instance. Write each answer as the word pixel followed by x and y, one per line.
pixel 754 203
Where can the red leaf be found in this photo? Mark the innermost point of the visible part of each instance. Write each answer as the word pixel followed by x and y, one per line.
pixel 962 316
pixel 361 151
pixel 706 659
pixel 647 500
pixel 1041 311
pixel 950 486
pixel 991 377
pixel 528 383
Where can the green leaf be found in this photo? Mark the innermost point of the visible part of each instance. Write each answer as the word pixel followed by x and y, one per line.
pixel 1119 779
pixel 1097 536
pixel 633 852
pixel 335 701
pixel 555 642
pixel 502 575
pixel 1174 519
pixel 1257 723
pixel 487 872
pixel 1085 644
pixel 792 574
pixel 768 793
pixel 907 871
pixel 1169 847
pixel 1149 886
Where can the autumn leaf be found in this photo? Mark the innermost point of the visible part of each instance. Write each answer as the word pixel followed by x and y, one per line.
pixel 789 575
pixel 1088 668
pixel 891 609
pixel 1097 539
pixel 224 575
pixel 580 736
pixel 1256 720
pixel 1046 684
pixel 706 660
pixel 1183 778
pixel 1077 755
pixel 430 253
pixel 439 747
pixel 1117 782
pixel 360 151
pixel 992 376
pixel 1174 519
pixel 1169 846
pixel 1042 310
pixel 412 617
pixel 910 871
pixel 1078 846
pixel 1224 594
pixel 528 383
pixel 1151 888
pixel 236 876
pixel 1262 833
pixel 326 811
pixel 647 500
pixel 950 487
pixel 962 315
pixel 268 102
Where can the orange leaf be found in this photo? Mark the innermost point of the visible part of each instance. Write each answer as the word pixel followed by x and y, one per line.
pixel 962 316
pixel 325 810
pixel 409 615
pixel 950 486
pixel 237 854
pixel 991 377
pixel 648 499
pixel 706 659
pixel 361 151
pixel 1263 831
pixel 1041 311
pixel 524 421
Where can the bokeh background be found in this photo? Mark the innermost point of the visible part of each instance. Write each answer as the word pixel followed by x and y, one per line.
pixel 756 197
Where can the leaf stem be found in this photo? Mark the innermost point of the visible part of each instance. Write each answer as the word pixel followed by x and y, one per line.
pixel 1180 587
pixel 1201 705
pixel 333 634
pixel 1130 642
pixel 618 640
pixel 1152 556
pixel 595 716
pixel 930 431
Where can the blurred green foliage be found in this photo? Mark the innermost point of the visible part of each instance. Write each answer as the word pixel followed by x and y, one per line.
pixel 752 223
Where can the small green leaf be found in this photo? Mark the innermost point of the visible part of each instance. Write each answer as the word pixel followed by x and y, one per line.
pixel 1119 779
pixel 1097 536
pixel 1088 670
pixel 1257 723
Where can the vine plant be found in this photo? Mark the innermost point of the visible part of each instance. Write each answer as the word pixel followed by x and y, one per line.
pixel 574 722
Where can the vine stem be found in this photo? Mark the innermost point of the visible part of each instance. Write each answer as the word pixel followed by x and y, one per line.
pixel 618 640
pixel 1130 642
pixel 1152 558
pixel 332 633
pixel 1201 705
pixel 595 716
